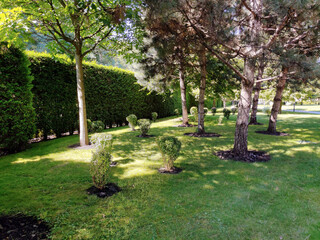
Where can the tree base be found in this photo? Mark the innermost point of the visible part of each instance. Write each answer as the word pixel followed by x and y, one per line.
pixel 21 227
pixel 174 170
pixel 145 136
pixel 250 157
pixel 202 134
pixel 78 147
pixel 255 123
pixel 273 133
pixel 109 190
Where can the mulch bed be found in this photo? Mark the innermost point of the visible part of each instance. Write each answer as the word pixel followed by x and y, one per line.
pixel 252 156
pixel 22 227
pixel 273 134
pixel 182 125
pixel 256 123
pixel 175 170
pixel 145 136
pixel 77 146
pixel 202 135
pixel 108 191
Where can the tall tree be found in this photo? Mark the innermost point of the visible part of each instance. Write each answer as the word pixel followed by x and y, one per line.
pixel 77 27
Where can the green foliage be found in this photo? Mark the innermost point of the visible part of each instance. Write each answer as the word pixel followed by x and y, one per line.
pixel 205 111
pixel 169 148
pixel 101 159
pixel 97 126
pixel 194 113
pixel 132 119
pixel 144 125
pixel 214 111
pixel 226 113
pixel 177 112
pixel 89 124
pixel 234 110
pixel 107 88
pixel 154 116
pixel 17 113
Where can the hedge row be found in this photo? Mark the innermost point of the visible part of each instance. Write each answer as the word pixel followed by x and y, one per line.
pixel 17 115
pixel 111 95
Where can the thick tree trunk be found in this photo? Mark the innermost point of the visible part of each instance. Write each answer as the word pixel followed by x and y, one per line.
pixel 185 120
pixel 203 63
pixel 240 147
pixel 277 101
pixel 83 134
pixel 257 89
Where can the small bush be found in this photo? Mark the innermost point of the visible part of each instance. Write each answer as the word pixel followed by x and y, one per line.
pixel 194 113
pixel 214 111
pixel 89 124
pixel 132 120
pixel 169 148
pixel 224 110
pixel 220 120
pixel 144 125
pixel 234 110
pixel 97 126
pixel 266 110
pixel 154 116
pixel 226 113
pixel 205 111
pixel 101 159
pixel 177 112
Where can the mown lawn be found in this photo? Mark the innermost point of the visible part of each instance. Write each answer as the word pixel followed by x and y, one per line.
pixel 210 199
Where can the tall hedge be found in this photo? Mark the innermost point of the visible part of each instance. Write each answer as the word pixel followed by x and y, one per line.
pixel 17 115
pixel 111 94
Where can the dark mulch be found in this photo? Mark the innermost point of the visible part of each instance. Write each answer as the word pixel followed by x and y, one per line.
pixel 252 156
pixel 202 135
pixel 183 125
pixel 77 146
pixel 273 134
pixel 256 123
pixel 145 136
pixel 23 227
pixel 175 170
pixel 108 191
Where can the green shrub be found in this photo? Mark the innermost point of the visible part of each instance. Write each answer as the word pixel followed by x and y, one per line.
pixel 132 120
pixel 214 111
pixel 97 126
pixel 17 121
pixel 177 112
pixel 234 110
pixel 226 113
pixel 154 116
pixel 101 159
pixel 144 125
pixel 194 113
pixel 205 111
pixel 89 125
pixel 169 148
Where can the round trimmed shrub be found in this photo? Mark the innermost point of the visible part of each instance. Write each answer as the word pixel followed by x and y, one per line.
pixel 17 121
pixel 144 125
pixel 97 126
pixel 194 113
pixel 226 113
pixel 214 111
pixel 177 112
pixel 170 149
pixel 132 120
pixel 154 116
pixel 101 159
pixel 205 111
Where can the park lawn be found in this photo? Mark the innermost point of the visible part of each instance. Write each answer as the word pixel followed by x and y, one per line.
pixel 210 199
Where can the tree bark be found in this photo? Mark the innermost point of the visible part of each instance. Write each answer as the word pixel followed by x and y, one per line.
pixel 203 69
pixel 240 147
pixel 214 104
pixel 185 120
pixel 257 89
pixel 83 134
pixel 277 101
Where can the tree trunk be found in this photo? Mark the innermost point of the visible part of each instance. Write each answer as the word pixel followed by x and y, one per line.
pixel 240 147
pixel 203 63
pixel 277 101
pixel 214 104
pixel 257 89
pixel 83 130
pixel 224 104
pixel 185 120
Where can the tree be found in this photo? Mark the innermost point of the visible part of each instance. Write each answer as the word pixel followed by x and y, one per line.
pixel 77 28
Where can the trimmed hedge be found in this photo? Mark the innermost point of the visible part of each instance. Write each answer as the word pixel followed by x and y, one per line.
pixel 111 94
pixel 17 114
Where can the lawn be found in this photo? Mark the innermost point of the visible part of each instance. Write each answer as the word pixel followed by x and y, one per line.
pixel 210 199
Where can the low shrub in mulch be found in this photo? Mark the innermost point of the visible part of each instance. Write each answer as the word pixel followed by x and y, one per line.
pixel 252 156
pixel 174 170
pixel 109 190
pixel 22 227
pixel 273 134
pixel 202 135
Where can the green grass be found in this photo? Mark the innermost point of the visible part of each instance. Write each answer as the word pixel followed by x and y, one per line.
pixel 210 199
